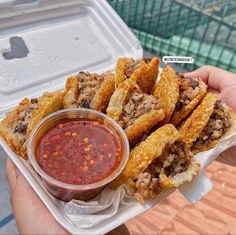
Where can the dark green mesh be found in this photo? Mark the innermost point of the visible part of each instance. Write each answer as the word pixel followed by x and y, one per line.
pixel 203 29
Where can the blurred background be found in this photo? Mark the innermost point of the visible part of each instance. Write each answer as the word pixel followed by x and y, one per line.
pixel 202 29
pixel 206 31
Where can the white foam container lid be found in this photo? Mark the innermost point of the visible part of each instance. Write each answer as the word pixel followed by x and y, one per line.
pixel 62 37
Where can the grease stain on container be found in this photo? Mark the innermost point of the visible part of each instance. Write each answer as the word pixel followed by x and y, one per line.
pixel 17 50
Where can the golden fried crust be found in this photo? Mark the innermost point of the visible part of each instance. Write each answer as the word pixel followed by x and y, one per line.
pixel 194 125
pixel 48 103
pixel 143 155
pixel 71 93
pixel 102 97
pixel 167 91
pixel 100 100
pixel 14 114
pixel 179 116
pixel 145 76
pixel 212 144
pixel 119 99
pixel 143 125
pixel 180 178
pixel 121 67
pixel 14 141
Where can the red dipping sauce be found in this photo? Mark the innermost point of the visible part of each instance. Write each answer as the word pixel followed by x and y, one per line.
pixel 79 152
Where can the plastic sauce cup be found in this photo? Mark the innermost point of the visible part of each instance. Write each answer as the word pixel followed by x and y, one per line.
pixel 62 190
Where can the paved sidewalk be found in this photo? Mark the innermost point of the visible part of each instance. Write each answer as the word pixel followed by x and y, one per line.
pixel 214 214
pixel 7 222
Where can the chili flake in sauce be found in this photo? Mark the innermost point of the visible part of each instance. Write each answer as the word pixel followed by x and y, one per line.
pixel 79 152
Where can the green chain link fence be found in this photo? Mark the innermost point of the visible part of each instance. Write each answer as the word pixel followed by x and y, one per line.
pixel 203 29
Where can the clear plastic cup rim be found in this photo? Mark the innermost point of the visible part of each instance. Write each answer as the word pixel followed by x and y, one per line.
pixel 103 182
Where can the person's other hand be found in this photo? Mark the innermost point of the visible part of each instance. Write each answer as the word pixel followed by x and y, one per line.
pixel 31 215
pixel 223 83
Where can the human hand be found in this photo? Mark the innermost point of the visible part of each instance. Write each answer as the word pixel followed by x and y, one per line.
pixel 223 83
pixel 31 215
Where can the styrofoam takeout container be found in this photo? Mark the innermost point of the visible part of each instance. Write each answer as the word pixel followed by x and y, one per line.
pixel 43 42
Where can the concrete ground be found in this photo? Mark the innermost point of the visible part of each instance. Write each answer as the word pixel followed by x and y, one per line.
pixel 213 214
pixel 7 223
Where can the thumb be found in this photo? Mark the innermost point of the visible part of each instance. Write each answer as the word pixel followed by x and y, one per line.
pixel 216 78
pixel 31 215
pixel 12 174
pixel 202 73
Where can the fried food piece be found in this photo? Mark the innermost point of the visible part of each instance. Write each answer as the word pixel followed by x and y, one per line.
pixel 171 169
pixel 191 92
pixel 48 103
pixel 160 162
pixel 167 91
pixel 135 111
pixel 147 151
pixel 71 93
pixel 89 90
pixel 18 124
pixel 178 95
pixel 207 124
pixel 144 72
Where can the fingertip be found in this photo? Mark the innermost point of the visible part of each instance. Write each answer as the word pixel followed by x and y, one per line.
pixel 202 73
pixel 188 74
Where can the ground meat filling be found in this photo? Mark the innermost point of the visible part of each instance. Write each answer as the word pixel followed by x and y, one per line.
pixel 88 86
pixel 189 88
pixel 147 186
pixel 139 103
pixel 175 159
pixel 20 125
pixel 217 125
pixel 135 64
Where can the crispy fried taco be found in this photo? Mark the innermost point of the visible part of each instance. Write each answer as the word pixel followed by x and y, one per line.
pixel 18 124
pixel 178 95
pixel 191 92
pixel 89 90
pixel 207 124
pixel 135 111
pixel 167 91
pixel 143 71
pixel 160 162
